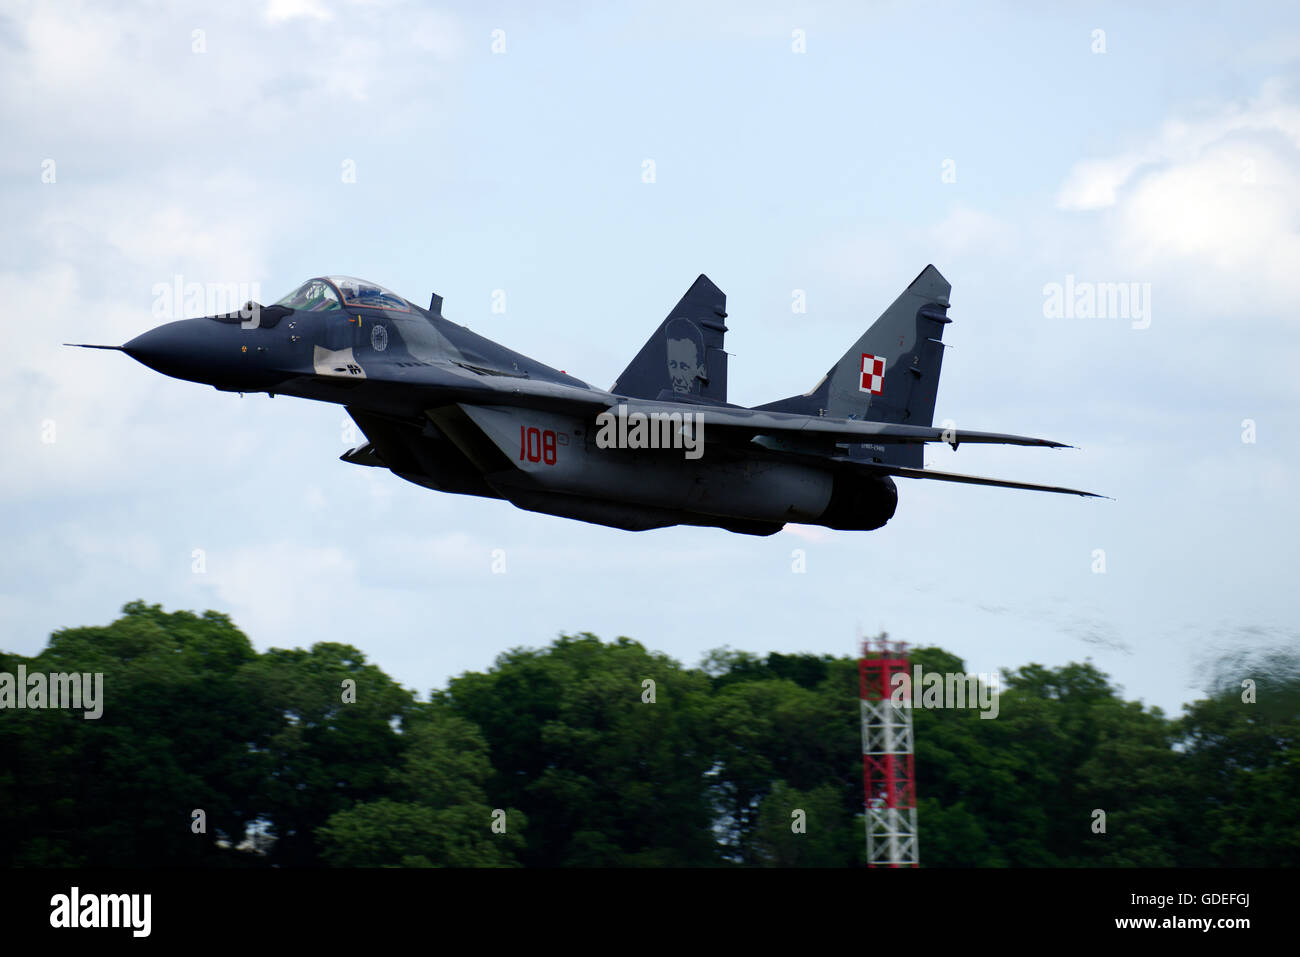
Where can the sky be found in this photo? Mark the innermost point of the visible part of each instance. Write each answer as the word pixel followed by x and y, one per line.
pixel 580 165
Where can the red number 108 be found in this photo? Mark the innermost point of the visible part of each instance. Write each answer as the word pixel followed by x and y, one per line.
pixel 537 445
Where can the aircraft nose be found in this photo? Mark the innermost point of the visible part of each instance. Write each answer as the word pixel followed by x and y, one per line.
pixel 169 349
pixel 216 353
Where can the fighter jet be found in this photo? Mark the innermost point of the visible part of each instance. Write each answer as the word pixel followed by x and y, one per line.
pixel 450 410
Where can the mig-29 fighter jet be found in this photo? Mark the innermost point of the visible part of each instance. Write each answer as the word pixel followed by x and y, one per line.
pixel 453 411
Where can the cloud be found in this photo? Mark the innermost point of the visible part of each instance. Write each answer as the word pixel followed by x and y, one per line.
pixel 1207 200
pixel 283 588
pixel 966 229
pixel 810 533
pixel 75 85
pixel 1094 184
pixel 277 11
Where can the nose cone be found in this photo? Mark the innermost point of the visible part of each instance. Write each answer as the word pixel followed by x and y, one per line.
pixel 220 354
pixel 172 349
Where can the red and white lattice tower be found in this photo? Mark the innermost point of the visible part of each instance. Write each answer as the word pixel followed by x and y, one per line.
pixel 888 770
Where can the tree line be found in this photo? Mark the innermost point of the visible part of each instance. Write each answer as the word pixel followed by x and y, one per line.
pixel 590 753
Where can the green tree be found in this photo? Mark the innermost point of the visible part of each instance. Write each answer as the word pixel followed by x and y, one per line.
pixel 766 727
pixel 604 754
pixel 335 734
pixel 173 737
pixel 804 829
pixel 1242 749
pixel 439 815
pixel 604 775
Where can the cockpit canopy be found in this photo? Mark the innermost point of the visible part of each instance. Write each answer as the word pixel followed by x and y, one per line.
pixel 315 295
pixel 337 292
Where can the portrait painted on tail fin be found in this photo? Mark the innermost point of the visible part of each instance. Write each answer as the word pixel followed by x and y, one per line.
pixel 685 344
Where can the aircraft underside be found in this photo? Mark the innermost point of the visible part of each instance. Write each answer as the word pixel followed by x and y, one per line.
pixel 555 467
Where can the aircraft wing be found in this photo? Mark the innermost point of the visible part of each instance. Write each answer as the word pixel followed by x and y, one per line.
pixel 458 381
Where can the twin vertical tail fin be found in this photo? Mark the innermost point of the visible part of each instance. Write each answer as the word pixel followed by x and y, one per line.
pixel 683 359
pixel 891 374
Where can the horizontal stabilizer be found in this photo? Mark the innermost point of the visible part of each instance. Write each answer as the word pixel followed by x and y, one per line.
pixel 904 472
pixel 787 425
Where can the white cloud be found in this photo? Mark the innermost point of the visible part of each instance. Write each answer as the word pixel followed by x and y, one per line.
pixel 810 533
pixel 966 229
pixel 277 11
pixel 437 33
pixel 1097 183
pixel 75 81
pixel 281 588
pixel 1094 184
pixel 1207 203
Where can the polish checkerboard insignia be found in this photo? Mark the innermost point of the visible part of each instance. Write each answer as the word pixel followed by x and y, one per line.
pixel 873 374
